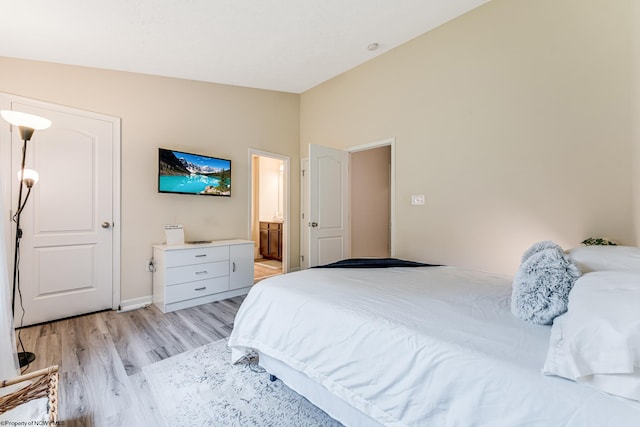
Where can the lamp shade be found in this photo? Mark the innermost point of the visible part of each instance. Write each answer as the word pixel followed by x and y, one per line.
pixel 26 120
pixel 30 177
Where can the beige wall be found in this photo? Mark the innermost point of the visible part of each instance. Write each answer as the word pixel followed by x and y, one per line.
pixel 514 120
pixel 219 120
pixel 370 195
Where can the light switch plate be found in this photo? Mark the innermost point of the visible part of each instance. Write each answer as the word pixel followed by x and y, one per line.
pixel 417 199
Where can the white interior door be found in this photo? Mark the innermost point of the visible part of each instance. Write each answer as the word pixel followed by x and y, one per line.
pixel 328 205
pixel 67 248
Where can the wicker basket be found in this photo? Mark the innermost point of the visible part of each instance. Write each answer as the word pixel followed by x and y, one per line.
pixel 44 383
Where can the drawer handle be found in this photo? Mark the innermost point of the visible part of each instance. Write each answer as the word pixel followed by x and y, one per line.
pixel 234 267
pixel 201 256
pixel 200 289
pixel 202 272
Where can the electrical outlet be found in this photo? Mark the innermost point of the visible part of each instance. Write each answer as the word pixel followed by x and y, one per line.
pixel 417 199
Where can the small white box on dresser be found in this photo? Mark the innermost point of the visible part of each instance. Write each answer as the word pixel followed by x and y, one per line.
pixel 193 274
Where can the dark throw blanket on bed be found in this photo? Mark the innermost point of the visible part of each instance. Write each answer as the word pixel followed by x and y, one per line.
pixel 374 263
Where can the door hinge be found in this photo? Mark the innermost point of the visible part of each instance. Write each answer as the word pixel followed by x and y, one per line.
pixel 302 172
pixel 302 258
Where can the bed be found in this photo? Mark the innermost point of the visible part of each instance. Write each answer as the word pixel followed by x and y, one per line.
pixel 414 346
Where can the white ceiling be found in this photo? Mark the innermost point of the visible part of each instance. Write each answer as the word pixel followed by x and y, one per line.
pixel 285 45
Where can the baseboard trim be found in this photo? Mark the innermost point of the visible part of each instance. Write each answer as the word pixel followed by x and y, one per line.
pixel 135 303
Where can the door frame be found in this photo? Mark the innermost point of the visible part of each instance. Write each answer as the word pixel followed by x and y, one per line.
pixel 6 100
pixel 286 214
pixel 304 214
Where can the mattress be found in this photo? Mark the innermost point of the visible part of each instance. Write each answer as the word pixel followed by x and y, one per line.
pixel 418 346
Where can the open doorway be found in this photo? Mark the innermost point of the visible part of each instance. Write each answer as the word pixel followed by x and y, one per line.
pixel 269 213
pixel 370 202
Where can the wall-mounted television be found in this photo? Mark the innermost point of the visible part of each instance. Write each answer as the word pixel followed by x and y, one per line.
pixel 187 173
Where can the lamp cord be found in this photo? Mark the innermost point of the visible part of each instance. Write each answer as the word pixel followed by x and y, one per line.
pixel 19 290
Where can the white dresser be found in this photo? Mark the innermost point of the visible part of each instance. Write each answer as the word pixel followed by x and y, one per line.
pixel 193 274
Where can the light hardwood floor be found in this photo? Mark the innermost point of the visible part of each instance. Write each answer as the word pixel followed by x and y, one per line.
pixel 262 272
pixel 101 356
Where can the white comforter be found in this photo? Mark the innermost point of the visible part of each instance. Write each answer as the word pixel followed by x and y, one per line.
pixel 428 346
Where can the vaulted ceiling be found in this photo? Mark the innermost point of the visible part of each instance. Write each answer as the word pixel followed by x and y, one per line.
pixel 284 45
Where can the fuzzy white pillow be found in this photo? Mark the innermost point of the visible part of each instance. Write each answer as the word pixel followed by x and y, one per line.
pixel 540 290
pixel 597 341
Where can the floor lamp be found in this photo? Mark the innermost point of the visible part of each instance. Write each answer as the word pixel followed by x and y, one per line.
pixel 27 124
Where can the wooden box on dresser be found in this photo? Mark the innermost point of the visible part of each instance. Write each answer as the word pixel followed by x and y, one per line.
pixel 193 274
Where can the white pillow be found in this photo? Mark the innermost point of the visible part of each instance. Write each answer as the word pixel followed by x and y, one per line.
pixel 597 341
pixel 604 258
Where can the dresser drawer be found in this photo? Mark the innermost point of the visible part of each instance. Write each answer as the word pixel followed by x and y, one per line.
pixel 196 255
pixel 191 273
pixel 200 288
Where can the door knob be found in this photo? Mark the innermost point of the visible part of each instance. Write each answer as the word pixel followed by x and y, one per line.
pixel 106 224
pixel 313 224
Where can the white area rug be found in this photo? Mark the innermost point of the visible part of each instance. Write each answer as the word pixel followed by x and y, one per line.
pixel 202 388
